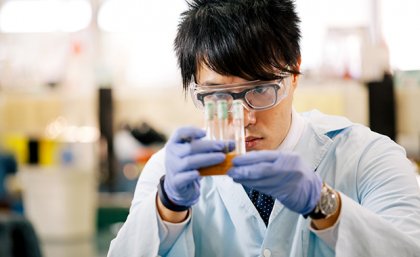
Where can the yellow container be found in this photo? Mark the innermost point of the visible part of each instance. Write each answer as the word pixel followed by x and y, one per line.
pixel 18 145
pixel 48 152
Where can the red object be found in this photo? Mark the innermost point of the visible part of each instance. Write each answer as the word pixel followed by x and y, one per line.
pixel 143 155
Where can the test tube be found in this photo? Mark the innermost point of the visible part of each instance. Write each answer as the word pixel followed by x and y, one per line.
pixel 222 116
pixel 210 123
pixel 238 126
pixel 222 121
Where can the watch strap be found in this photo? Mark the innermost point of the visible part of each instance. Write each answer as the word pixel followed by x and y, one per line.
pixel 165 199
pixel 317 214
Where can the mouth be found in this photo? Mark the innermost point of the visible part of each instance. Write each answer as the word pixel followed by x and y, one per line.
pixel 251 142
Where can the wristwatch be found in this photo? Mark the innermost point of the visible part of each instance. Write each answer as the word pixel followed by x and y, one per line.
pixel 327 205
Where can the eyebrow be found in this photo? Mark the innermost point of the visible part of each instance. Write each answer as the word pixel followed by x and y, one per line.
pixel 212 83
pixel 209 83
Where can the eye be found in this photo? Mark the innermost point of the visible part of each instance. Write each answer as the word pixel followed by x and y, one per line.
pixel 260 90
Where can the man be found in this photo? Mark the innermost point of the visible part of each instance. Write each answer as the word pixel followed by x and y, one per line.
pixel 309 184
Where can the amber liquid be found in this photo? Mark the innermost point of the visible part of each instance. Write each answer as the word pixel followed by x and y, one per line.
pixel 218 169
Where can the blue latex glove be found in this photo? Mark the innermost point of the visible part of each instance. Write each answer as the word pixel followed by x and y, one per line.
pixel 186 152
pixel 285 176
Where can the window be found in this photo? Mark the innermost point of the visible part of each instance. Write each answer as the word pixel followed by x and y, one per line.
pixel 401 26
pixel 138 41
pixel 29 16
pixel 331 35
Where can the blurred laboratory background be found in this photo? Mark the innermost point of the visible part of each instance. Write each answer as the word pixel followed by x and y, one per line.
pixel 90 89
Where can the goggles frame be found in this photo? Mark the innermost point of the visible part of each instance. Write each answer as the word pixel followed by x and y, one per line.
pixel 282 85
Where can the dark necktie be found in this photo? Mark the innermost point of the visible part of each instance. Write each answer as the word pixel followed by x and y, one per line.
pixel 262 202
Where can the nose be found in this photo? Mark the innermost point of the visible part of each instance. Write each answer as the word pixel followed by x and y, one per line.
pixel 249 117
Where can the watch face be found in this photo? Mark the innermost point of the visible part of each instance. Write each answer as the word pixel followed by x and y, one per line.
pixel 328 204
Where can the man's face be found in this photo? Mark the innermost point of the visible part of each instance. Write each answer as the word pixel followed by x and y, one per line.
pixel 264 130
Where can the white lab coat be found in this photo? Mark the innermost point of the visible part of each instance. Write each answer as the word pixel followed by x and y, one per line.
pixel 380 213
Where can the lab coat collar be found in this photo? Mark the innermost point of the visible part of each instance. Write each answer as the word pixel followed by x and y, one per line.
pixel 296 129
pixel 324 124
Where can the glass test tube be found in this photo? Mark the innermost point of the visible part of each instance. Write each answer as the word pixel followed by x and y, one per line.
pixel 222 121
pixel 238 126
pixel 210 123
pixel 222 116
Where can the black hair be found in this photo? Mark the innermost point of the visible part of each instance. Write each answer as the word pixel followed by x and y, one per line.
pixel 251 39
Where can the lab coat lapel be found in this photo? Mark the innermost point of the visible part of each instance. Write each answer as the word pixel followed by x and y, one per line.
pixel 312 147
pixel 238 203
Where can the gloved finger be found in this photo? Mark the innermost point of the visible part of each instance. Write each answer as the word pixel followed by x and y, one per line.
pixel 253 172
pixel 198 146
pixel 265 184
pixel 255 157
pixel 196 161
pixel 194 197
pixel 185 178
pixel 253 184
pixel 231 145
pixel 186 134
pixel 291 161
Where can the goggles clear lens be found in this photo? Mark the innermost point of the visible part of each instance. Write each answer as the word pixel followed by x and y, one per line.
pixel 256 95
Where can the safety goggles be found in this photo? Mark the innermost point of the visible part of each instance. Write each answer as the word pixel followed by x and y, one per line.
pixel 256 95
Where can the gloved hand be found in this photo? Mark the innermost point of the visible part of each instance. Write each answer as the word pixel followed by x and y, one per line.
pixel 285 176
pixel 185 153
